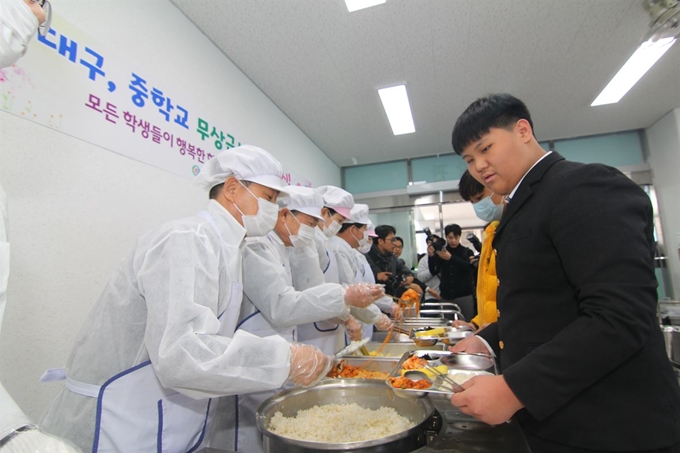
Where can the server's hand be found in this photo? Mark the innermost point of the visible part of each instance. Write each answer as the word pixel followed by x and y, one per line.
pixel 353 328
pixel 308 365
pixel 361 295
pixel 395 311
pixel 383 323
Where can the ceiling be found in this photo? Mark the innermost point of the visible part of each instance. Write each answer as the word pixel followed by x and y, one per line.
pixel 322 65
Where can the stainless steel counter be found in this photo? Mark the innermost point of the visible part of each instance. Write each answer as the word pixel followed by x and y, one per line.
pixel 461 433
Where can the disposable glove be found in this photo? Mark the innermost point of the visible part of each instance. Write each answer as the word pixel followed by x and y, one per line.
pixel 395 311
pixel 308 365
pixel 361 295
pixel 353 328
pixel 383 323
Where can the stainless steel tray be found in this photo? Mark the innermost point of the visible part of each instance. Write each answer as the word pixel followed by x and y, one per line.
pixel 384 364
pixel 396 350
pixel 460 362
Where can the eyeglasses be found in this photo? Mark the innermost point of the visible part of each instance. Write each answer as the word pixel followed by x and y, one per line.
pixel 47 8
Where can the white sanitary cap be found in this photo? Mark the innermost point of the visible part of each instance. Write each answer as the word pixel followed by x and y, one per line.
pixel 246 163
pixel 305 200
pixel 338 199
pixel 359 214
pixel 371 230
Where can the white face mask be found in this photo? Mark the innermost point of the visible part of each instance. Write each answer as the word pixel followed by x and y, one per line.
pixel 363 240
pixel 333 229
pixel 262 222
pixel 365 248
pixel 17 26
pixel 304 236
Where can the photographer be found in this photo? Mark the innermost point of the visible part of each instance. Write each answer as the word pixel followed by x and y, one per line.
pixel 452 264
pixel 386 267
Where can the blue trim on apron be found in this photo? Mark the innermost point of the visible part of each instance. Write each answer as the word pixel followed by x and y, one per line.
pixel 329 262
pixel 205 425
pixel 326 330
pixel 97 425
pixel 159 440
pixel 247 318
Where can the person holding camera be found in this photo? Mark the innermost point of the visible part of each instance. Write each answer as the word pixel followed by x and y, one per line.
pixel 385 265
pixel 451 261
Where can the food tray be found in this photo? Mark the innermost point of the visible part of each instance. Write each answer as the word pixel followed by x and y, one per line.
pixel 396 350
pixel 460 362
pixel 384 364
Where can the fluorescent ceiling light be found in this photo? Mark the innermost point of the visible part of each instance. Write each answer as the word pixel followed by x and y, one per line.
pixel 637 65
pixel 395 103
pixel 355 5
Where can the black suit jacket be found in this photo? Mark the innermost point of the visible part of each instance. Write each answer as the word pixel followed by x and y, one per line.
pixel 577 339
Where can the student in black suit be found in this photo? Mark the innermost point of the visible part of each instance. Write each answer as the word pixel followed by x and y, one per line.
pixel 580 350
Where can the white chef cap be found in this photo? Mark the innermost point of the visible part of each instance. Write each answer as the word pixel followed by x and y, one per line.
pixel 247 163
pixel 371 230
pixel 359 214
pixel 305 200
pixel 338 199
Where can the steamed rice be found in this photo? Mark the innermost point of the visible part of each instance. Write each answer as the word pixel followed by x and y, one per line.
pixel 340 423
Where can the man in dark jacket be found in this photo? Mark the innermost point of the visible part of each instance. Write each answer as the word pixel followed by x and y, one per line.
pixel 454 268
pixel 582 357
pixel 385 265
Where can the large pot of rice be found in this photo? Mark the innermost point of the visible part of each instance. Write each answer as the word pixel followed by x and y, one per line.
pixel 340 415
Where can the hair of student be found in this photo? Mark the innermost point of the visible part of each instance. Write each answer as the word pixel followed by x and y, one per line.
pixel 500 110
pixel 453 228
pixel 468 186
pixel 382 231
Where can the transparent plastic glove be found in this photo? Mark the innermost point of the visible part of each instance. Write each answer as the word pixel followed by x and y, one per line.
pixel 37 441
pixel 308 365
pixel 395 311
pixel 361 295
pixel 383 323
pixel 353 328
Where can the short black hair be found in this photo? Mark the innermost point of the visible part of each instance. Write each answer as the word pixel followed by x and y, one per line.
pixel 453 228
pixel 468 186
pixel 382 231
pixel 493 111
pixel 346 226
pixel 397 238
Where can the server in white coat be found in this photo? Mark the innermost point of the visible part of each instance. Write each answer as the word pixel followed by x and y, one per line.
pixel 272 306
pixel 329 336
pixel 160 342
pixel 352 235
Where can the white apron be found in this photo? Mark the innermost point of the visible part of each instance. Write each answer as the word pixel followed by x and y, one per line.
pixel 248 437
pixel 327 336
pixel 136 414
pixel 365 275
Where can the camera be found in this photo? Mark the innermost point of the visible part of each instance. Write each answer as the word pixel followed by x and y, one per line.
pixel 437 243
pixel 474 240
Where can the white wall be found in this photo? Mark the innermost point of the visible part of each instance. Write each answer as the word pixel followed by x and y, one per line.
pixel 75 209
pixel 663 139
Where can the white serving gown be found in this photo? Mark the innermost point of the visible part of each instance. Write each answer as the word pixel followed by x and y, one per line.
pixel 329 336
pixel 169 311
pixel 271 305
pixel 349 271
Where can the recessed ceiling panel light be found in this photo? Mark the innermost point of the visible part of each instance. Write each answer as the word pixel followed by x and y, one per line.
pixel 398 110
pixel 355 5
pixel 637 65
